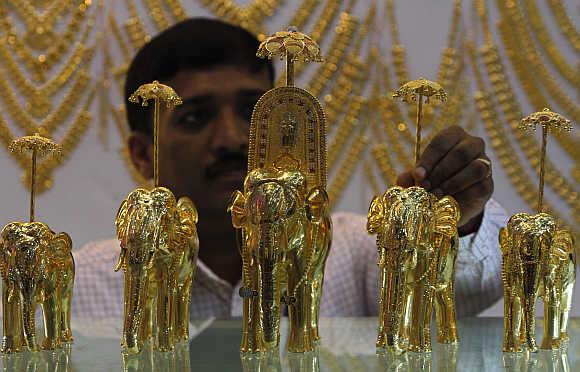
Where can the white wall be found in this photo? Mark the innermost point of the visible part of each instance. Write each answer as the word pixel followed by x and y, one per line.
pixel 89 188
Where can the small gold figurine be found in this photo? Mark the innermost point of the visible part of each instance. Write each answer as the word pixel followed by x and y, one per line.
pixel 417 245
pixel 538 259
pixel 159 249
pixel 37 267
pixel 283 211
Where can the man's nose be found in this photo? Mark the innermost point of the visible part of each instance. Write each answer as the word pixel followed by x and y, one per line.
pixel 231 132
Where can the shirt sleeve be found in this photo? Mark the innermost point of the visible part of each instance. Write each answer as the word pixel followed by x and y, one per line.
pixel 478 282
pixel 98 289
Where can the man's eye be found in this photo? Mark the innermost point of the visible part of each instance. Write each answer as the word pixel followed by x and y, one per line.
pixel 194 120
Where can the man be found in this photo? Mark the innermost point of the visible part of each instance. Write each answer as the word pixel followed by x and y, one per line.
pixel 203 155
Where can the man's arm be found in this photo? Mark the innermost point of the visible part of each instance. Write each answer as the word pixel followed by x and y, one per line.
pixel 478 283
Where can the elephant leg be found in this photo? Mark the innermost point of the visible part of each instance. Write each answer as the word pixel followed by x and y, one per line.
pixel 513 322
pixel 182 310
pixel 252 338
pixel 12 340
pixel 445 315
pixel 65 329
pixel 300 338
pixel 550 340
pixel 391 312
pixel 165 303
pixel 51 312
pixel 565 306
pixel 421 312
pixel 316 294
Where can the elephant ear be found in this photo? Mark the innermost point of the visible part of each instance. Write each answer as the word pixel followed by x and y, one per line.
pixel 504 241
pixel 237 207
pixel 188 218
pixel 317 204
pixel 563 245
pixel 61 245
pixel 375 215
pixel 121 220
pixel 446 215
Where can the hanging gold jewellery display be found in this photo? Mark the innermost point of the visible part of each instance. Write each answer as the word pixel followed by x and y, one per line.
pixel 37 268
pixel 283 211
pixel 48 68
pixel 537 257
pixel 417 244
pixel 159 249
pixel 504 101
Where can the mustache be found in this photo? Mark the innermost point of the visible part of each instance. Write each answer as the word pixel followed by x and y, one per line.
pixel 226 162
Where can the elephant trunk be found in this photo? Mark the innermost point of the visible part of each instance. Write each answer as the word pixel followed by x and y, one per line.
pixel 531 282
pixel 28 311
pixel 270 284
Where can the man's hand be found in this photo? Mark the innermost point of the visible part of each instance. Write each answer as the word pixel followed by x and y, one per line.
pixel 455 164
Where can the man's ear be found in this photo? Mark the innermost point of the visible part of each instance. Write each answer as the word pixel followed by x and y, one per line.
pixel 141 152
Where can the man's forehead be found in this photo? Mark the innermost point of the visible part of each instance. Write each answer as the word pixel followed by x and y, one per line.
pixel 221 80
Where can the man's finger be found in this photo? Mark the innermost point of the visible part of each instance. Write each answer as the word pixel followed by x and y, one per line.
pixel 441 144
pixel 459 157
pixel 475 172
pixel 405 179
pixel 472 200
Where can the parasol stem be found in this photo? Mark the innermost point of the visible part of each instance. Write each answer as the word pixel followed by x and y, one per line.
pixel 290 70
pixel 156 143
pixel 542 167
pixel 32 184
pixel 418 129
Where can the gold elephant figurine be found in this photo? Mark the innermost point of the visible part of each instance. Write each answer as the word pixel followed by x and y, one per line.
pixel 417 244
pixel 538 259
pixel 37 268
pixel 286 238
pixel 159 249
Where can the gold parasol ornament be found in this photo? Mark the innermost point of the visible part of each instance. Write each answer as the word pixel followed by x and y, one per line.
pixel 157 92
pixel 40 147
pixel 416 91
pixel 549 121
pixel 292 45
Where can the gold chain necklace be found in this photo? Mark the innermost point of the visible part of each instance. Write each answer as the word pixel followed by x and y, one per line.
pixel 533 92
pixel 39 29
pixel 318 32
pixel 38 65
pixel 135 27
pixel 571 74
pixel 68 143
pixel 512 112
pixel 56 117
pixel 250 16
pixel 39 98
pixel 177 10
pixel 512 15
pixel 157 14
pixel 567 27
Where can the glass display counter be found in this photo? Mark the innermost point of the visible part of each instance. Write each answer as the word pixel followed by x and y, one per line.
pixel 347 345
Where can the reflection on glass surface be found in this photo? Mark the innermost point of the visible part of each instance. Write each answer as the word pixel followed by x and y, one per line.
pixel 152 360
pixel 347 344
pixel 58 360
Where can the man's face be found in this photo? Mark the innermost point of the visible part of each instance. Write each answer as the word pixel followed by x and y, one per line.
pixel 203 143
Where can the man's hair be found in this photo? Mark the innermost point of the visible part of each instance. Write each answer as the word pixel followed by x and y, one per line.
pixel 193 44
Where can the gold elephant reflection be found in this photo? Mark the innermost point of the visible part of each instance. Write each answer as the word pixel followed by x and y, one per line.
pixel 286 239
pixel 417 245
pixel 159 249
pixel 37 267
pixel 538 259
